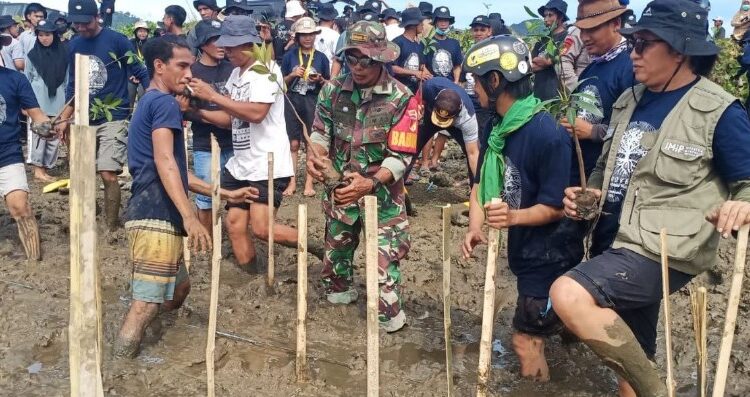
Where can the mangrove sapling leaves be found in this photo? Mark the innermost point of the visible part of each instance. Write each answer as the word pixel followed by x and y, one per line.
pixel 531 13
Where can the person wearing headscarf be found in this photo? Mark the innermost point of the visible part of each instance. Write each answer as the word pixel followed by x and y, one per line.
pixel 47 71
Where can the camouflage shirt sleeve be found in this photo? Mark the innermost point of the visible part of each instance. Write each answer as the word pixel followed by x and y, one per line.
pixel 322 129
pixel 397 162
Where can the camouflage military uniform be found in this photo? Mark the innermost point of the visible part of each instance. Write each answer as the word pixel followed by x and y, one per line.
pixel 354 124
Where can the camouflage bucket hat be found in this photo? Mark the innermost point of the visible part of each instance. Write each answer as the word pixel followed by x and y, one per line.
pixel 369 37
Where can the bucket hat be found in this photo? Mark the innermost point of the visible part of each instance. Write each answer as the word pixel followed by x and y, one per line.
pixel 443 13
pixel 238 30
pixel 208 3
pixel 241 4
pixel 426 9
pixel 389 13
pixel 375 6
pixel 294 9
pixel 305 25
pixel 6 21
pixel 592 13
pixel 411 17
pixel 370 39
pixel 683 24
pixel 555 5
pixel 327 12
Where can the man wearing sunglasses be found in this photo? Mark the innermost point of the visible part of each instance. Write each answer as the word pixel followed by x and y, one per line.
pixel 679 149
pixel 359 127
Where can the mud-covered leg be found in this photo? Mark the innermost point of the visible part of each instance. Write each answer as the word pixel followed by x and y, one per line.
pixel 28 230
pixel 139 316
pixel 112 197
pixel 340 242
pixel 393 245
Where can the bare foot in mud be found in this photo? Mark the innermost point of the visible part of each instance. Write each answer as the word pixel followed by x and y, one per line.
pixel 530 352
pixel 290 190
pixel 126 348
pixel 309 193
pixel 44 177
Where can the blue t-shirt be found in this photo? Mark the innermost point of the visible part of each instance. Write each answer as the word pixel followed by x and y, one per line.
pixel 106 77
pixel 430 90
pixel 446 56
pixel 731 149
pixel 537 171
pixel 411 57
pixel 607 81
pixel 15 94
pixel 319 65
pixel 149 199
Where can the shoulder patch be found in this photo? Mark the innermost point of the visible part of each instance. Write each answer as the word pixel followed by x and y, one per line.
pixel 403 136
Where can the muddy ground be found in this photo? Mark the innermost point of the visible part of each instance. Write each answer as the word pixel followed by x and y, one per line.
pixel 259 359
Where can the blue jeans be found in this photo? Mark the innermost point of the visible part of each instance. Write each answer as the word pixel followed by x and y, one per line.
pixel 202 169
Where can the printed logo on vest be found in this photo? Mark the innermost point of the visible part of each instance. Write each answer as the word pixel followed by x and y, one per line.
pixel 683 150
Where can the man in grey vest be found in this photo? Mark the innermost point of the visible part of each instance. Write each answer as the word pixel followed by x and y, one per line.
pixel 676 156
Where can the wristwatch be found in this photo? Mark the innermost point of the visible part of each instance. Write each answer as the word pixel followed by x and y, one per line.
pixel 376 184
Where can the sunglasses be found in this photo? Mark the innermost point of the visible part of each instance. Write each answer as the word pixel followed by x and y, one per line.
pixel 641 45
pixel 363 61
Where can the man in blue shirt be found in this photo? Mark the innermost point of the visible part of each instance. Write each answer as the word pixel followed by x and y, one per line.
pixel 445 58
pixel 159 212
pixel 409 67
pixel 108 82
pixel 16 95
pixel 526 162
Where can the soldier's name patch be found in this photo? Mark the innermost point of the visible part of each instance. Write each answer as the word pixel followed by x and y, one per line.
pixel 682 150
pixel 488 53
pixel 358 37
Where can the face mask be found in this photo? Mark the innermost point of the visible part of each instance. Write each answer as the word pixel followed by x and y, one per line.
pixel 442 32
pixel 746 7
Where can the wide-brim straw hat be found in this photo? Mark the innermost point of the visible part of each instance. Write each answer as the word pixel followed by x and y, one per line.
pixel 592 13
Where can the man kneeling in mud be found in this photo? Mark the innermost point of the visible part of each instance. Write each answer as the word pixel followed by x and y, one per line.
pixel 679 149
pixel 159 212
pixel 526 161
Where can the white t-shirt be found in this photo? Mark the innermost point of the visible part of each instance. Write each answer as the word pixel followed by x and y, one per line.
pixel 326 41
pixel 27 39
pixel 393 31
pixel 252 142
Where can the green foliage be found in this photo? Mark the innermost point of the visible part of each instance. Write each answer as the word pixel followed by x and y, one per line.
pixel 429 42
pixel 104 107
pixel 726 73
pixel 129 58
pixel 464 37
pixel 129 30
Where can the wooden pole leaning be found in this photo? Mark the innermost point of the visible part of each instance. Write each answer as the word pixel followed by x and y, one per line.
pixel 446 253
pixel 488 312
pixel 186 255
pixel 373 297
pixel 667 311
pixel 301 363
pixel 85 327
pixel 215 266
pixel 271 210
pixel 698 306
pixel 730 322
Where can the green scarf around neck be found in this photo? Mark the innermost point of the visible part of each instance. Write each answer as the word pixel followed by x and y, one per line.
pixel 492 179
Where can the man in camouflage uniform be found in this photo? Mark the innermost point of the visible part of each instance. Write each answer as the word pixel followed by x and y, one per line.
pixel 354 128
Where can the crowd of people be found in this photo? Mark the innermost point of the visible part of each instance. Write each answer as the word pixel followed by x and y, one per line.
pixel 373 94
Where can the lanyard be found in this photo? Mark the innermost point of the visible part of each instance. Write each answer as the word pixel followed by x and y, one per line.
pixel 309 62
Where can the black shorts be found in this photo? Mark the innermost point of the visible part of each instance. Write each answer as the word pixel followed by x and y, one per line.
pixel 534 316
pixel 629 284
pixel 305 106
pixel 228 182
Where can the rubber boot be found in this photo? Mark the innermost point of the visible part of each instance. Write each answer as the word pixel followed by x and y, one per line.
pixel 112 204
pixel 28 232
pixel 626 357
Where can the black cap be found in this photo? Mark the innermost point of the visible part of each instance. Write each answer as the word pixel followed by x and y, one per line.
pixel 410 17
pixel 82 11
pixel 205 31
pixel 481 20
pixel 371 6
pixel 495 16
pixel 443 13
pixel 241 4
pixel 683 24
pixel 369 16
pixel 327 12
pixel 389 13
pixel 47 25
pixel 426 9
pixel 208 3
pixel 555 5
pixel 6 21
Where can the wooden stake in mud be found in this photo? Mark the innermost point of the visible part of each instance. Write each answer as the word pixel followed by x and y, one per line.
pixel 446 248
pixel 698 305
pixel 85 328
pixel 185 248
pixel 373 329
pixel 301 293
pixel 722 364
pixel 488 312
pixel 667 316
pixel 215 265
pixel 271 208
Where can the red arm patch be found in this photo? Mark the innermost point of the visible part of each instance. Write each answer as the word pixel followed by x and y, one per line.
pixel 403 136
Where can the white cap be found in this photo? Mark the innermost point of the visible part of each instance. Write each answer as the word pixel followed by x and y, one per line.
pixel 720 19
pixel 294 9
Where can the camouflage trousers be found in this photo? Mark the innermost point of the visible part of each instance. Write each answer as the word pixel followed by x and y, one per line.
pixel 341 241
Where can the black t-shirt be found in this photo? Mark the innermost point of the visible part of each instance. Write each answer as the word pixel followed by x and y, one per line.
pixel 411 57
pixel 318 64
pixel 446 56
pixel 545 81
pixel 281 36
pixel 217 76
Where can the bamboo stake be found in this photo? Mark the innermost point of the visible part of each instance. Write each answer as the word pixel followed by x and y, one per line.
pixel 373 330
pixel 698 305
pixel 667 317
pixel 446 248
pixel 271 210
pixel 488 313
pixel 85 327
pixel 185 248
pixel 215 266
pixel 722 364
pixel 301 293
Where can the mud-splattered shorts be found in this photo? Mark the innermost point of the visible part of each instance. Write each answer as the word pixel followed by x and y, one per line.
pixel 156 252
pixel 535 316
pixel 629 284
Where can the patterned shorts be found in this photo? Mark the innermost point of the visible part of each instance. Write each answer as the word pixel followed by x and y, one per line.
pixel 156 252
